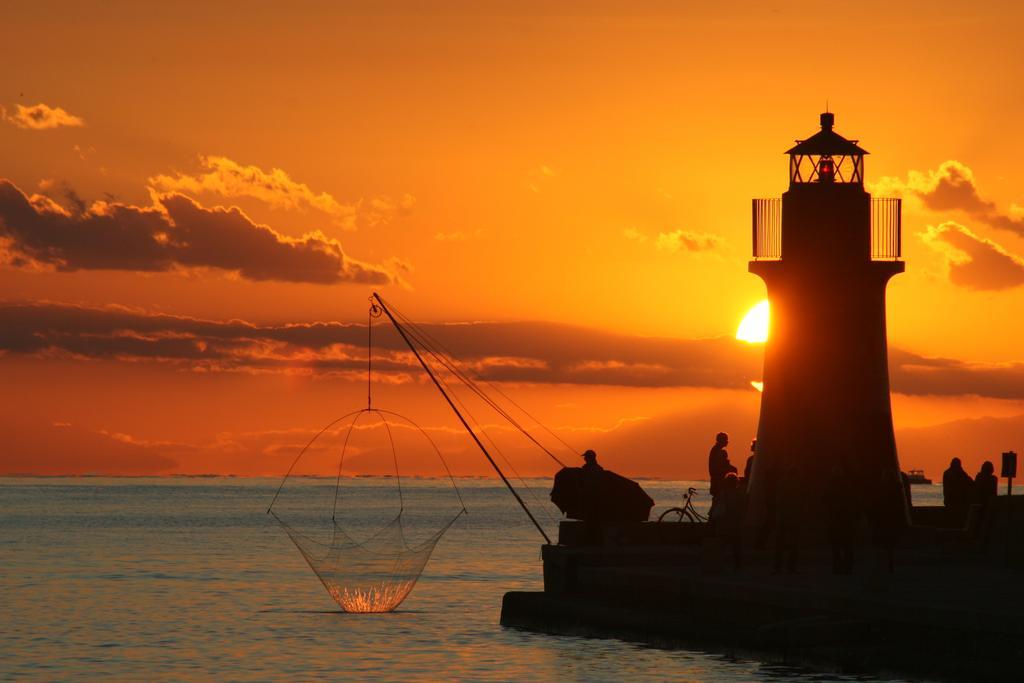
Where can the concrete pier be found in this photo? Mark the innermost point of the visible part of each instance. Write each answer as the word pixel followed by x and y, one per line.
pixel 950 611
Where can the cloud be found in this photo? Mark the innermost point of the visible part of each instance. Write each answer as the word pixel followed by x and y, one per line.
pixel 228 178
pixel 457 236
pixel 176 232
pixel 634 235
pixel 918 375
pixel 952 187
pixel 42 447
pixel 547 353
pixel 41 117
pixel 538 177
pixel 382 210
pixel 975 262
pixel 684 240
pixel 677 240
pixel 527 352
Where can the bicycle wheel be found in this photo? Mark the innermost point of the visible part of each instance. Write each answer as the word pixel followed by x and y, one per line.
pixel 675 515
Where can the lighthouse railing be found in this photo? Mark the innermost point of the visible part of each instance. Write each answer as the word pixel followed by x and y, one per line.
pixel 886 228
pixel 766 231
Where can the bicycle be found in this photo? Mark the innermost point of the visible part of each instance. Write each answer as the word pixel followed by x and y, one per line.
pixel 687 513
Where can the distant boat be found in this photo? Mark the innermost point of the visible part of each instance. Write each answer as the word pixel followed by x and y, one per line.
pixel 917 477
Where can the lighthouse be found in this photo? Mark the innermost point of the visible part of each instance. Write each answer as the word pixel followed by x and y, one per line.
pixel 825 251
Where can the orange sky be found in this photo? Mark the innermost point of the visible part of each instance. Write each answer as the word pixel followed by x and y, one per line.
pixel 514 163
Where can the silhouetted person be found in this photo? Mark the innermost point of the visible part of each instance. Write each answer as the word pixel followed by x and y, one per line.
pixel 750 464
pixel 718 464
pixel 986 486
pixel 599 497
pixel 841 511
pixel 590 462
pixel 592 489
pixel 727 517
pixel 957 490
pixel 789 512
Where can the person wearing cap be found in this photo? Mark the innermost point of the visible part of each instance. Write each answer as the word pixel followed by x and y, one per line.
pixel 590 462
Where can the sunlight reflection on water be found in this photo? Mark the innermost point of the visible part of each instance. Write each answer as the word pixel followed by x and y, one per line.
pixel 189 579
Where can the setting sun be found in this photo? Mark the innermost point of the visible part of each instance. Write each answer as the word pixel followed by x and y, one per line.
pixel 754 326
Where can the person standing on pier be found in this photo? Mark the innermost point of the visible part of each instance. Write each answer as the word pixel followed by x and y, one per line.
pixel 985 484
pixel 718 462
pixel 750 464
pixel 727 517
pixel 986 487
pixel 719 465
pixel 957 491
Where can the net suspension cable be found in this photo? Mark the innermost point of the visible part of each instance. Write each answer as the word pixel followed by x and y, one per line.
pixel 476 439
pixel 449 363
pixel 444 356
pixel 375 311
pixel 494 446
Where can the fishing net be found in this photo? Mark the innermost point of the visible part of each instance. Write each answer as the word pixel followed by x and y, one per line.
pixel 368 557
pixel 375 575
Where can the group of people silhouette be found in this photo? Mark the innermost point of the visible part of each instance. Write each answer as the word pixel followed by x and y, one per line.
pixel 728 494
pixel 969 502
pixel 959 490
pixel 845 512
pixel 787 506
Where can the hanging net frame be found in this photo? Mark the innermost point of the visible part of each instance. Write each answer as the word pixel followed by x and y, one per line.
pixel 377 572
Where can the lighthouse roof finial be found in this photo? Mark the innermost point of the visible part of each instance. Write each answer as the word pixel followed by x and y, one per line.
pixel 827 141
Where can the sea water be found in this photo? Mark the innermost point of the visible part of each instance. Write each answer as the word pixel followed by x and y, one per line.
pixel 189 578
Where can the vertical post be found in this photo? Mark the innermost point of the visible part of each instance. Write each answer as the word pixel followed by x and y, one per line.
pixel 753 226
pixel 778 227
pixel 1009 470
pixel 1009 516
pixel 899 228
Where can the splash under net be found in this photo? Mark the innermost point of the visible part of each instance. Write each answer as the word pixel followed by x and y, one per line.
pixel 375 573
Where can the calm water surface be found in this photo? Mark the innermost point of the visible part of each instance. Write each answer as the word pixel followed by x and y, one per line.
pixel 190 579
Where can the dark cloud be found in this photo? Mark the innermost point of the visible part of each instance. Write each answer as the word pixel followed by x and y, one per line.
pixel 507 352
pixel 532 352
pixel 921 375
pixel 176 232
pixel 975 262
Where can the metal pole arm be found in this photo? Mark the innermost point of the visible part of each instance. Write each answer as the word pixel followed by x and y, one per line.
pixel 476 439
